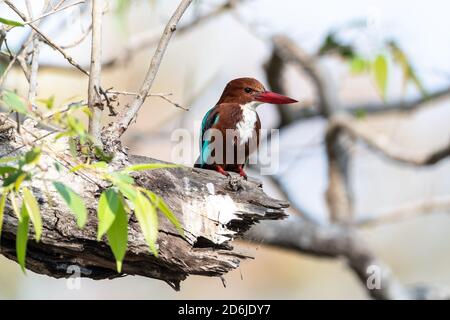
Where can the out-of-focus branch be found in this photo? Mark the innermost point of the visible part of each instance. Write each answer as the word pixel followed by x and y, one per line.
pixel 401 106
pixel 301 234
pixel 438 204
pixel 381 143
pixel 338 194
pixel 119 127
pixel 47 39
pixel 147 39
pixel 14 59
pixel 53 12
pixel 285 51
pixel 164 96
pixel 289 52
pixel 79 40
pixel 94 99
pixel 335 241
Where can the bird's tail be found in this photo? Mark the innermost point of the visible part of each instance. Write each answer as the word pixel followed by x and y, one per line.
pixel 198 163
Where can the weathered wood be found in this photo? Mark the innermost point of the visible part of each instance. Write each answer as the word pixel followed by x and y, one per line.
pixel 211 212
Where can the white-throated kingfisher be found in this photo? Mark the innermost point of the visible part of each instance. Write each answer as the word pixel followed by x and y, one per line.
pixel 236 112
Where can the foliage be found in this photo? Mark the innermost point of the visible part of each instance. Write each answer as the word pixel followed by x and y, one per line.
pixel 11 23
pixel 117 202
pixel 376 65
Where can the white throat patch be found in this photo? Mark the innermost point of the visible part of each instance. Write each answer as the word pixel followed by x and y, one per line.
pixel 246 126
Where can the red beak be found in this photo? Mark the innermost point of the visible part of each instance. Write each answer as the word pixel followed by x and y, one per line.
pixel 275 98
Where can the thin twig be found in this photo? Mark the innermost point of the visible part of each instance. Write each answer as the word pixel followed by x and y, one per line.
pixel 130 114
pixel 438 204
pixel 47 39
pixel 163 96
pixel 147 39
pixel 53 12
pixel 79 40
pixel 13 60
pixel 382 144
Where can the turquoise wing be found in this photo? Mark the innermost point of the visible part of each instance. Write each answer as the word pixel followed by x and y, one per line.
pixel 208 121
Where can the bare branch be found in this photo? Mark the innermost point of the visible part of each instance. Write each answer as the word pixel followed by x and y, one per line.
pixel 289 52
pixel 401 106
pixel 339 242
pixel 53 12
pixel 47 39
pixel 79 40
pixel 338 194
pixel 164 96
pixel 34 69
pixel 118 128
pixel 381 143
pixel 438 204
pixel 148 39
pixel 19 53
pixel 94 99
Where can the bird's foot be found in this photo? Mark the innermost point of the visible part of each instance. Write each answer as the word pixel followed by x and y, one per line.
pixel 222 171
pixel 242 173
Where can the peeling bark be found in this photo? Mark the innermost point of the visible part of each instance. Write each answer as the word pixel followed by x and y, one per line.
pixel 212 209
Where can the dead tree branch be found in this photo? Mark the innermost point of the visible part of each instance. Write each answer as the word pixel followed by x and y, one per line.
pixel 211 213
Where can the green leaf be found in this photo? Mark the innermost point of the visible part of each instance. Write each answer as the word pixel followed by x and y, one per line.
pixel 73 147
pixel 33 155
pixel 380 68
pixel 58 166
pixel 19 180
pixel 22 237
pixel 101 154
pixel 74 201
pixel 33 211
pixel 8 159
pixel 148 220
pixel 12 178
pixel 358 65
pixel 162 205
pixel 108 206
pixel 164 208
pixel 122 177
pixel 96 165
pixel 149 166
pixel 127 190
pixel 13 102
pixel 49 102
pixel 360 113
pixel 118 235
pixel 14 205
pixel 11 22
pixel 409 73
pixel 2 209
pixel 7 169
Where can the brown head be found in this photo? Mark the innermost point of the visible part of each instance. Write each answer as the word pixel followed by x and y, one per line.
pixel 246 90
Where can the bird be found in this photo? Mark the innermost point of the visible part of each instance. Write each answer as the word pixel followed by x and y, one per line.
pixel 230 130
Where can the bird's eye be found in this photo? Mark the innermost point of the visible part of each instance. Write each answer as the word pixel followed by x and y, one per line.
pixel 248 90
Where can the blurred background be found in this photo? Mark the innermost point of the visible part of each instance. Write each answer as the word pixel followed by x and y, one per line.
pixel 236 42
